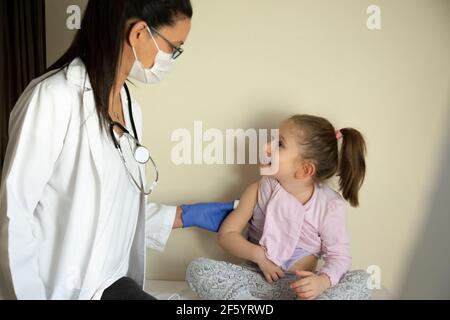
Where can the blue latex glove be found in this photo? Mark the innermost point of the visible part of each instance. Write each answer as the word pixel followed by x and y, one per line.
pixel 209 216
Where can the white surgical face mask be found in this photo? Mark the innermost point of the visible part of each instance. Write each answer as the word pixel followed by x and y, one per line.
pixel 159 71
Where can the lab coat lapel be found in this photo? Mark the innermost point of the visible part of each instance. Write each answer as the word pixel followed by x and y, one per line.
pixel 76 73
pixel 91 125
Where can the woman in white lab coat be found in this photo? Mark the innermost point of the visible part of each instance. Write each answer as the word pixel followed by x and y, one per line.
pixel 74 224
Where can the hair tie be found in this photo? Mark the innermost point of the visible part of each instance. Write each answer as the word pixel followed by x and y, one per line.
pixel 339 135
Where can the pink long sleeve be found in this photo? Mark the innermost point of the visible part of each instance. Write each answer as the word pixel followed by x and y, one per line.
pixel 335 242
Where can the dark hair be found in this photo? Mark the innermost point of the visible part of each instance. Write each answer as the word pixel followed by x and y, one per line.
pixel 99 42
pixel 320 144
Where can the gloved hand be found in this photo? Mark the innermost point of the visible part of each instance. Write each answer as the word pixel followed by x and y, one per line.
pixel 209 216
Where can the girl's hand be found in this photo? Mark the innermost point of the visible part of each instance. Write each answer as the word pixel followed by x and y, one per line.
pixel 271 271
pixel 311 286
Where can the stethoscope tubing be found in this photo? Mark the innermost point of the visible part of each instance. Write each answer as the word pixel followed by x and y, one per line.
pixel 136 138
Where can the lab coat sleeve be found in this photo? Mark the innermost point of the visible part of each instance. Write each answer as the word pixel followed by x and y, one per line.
pixel 37 128
pixel 159 223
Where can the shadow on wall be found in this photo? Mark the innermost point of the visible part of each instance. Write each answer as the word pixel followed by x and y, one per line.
pixel 428 275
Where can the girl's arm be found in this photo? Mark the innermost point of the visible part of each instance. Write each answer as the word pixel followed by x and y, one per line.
pixel 335 242
pixel 232 240
pixel 230 234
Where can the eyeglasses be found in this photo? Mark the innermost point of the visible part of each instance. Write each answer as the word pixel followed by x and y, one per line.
pixel 177 50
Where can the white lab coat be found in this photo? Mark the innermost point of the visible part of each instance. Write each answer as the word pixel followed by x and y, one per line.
pixel 51 187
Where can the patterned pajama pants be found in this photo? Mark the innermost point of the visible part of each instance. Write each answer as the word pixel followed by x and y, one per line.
pixel 219 280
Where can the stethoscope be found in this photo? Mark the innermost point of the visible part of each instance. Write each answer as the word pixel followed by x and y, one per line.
pixel 141 154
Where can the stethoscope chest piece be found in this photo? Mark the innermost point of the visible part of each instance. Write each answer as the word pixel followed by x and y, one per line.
pixel 141 154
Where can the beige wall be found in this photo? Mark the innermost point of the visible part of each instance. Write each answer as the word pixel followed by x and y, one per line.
pixel 250 64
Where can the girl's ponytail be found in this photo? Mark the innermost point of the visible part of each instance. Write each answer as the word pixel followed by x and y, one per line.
pixel 352 164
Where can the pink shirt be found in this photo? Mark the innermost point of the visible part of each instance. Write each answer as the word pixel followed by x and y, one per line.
pixel 288 229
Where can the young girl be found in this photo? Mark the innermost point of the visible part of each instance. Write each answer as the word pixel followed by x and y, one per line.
pixel 294 219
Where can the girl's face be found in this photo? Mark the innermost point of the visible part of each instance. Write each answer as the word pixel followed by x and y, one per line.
pixel 291 165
